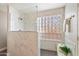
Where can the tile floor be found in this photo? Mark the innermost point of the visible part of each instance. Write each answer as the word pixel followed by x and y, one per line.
pixel 48 53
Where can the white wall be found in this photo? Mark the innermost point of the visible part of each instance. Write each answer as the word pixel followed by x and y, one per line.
pixel 71 37
pixel 3 29
pixel 15 23
pixel 78 29
pixel 30 21
pixel 27 24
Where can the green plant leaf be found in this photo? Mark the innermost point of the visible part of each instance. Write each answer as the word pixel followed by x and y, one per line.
pixel 66 50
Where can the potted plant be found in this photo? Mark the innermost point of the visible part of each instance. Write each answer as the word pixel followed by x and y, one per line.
pixel 65 50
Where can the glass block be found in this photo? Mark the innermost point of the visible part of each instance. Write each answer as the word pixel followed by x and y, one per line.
pixel 50 24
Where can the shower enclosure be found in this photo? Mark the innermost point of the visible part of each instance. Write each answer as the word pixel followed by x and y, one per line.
pixel 32 26
pixel 50 30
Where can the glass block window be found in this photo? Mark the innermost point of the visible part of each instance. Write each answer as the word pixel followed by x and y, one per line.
pixel 50 27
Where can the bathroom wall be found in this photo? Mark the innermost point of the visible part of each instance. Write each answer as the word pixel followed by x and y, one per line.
pixel 78 29
pixel 27 24
pixel 30 21
pixel 3 27
pixel 51 44
pixel 71 37
pixel 15 23
pixel 49 12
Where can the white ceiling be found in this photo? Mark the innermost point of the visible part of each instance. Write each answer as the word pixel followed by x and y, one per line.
pixel 30 7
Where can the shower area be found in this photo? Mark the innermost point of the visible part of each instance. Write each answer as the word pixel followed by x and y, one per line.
pixel 36 29
pixel 50 31
pixel 35 26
